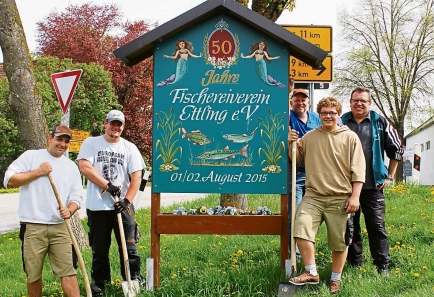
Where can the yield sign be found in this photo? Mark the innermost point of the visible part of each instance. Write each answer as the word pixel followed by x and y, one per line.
pixel 64 84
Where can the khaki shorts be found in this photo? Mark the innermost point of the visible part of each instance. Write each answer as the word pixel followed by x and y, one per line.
pixel 40 239
pixel 312 211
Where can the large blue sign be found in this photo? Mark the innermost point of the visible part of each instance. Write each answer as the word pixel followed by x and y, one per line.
pixel 220 111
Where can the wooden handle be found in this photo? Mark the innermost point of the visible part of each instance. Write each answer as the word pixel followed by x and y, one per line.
pixel 293 204
pixel 74 241
pixel 124 246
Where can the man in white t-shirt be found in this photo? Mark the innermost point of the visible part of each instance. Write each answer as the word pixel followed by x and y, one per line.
pixel 42 226
pixel 113 167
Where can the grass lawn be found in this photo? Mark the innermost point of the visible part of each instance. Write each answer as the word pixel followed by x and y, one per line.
pixel 245 265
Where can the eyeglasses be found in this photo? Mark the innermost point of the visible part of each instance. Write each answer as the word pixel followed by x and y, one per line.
pixel 359 101
pixel 325 113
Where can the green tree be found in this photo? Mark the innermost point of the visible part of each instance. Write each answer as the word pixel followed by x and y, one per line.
pixel 391 52
pixel 10 144
pixel 271 9
pixel 93 98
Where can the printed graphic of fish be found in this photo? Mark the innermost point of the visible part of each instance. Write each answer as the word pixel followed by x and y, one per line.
pixel 240 138
pixel 196 137
pixel 222 154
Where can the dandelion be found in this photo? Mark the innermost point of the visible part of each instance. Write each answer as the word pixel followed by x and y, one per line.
pixel 240 252
pixel 424 267
pixel 416 274
pixel 173 275
pixel 10 239
pixel 183 268
pixel 317 239
pixel 118 281
pixel 410 255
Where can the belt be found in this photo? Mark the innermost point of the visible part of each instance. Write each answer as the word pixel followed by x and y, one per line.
pixel 300 169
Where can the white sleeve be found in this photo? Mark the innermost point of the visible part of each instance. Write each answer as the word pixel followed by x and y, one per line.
pixel 86 150
pixel 17 166
pixel 135 162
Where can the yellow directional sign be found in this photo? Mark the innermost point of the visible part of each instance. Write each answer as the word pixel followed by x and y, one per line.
pixel 301 71
pixel 74 146
pixel 321 36
pixel 79 135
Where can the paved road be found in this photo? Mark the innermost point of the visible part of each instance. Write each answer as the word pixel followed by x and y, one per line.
pixel 9 206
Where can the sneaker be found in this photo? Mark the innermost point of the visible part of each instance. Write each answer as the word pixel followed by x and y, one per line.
pixel 96 291
pixel 383 270
pixel 305 278
pixel 334 286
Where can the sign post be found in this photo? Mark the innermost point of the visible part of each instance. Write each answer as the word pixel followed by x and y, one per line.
pixel 65 84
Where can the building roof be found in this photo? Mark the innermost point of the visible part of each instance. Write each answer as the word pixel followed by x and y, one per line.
pixel 143 46
pixel 424 126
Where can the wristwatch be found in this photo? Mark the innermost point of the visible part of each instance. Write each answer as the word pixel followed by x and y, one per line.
pixel 389 176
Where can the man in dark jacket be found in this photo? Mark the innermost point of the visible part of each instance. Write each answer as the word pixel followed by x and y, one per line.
pixel 377 136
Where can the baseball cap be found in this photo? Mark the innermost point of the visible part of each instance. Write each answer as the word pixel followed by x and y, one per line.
pixel 300 91
pixel 115 115
pixel 61 130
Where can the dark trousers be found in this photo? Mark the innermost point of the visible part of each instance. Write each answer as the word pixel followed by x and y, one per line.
pixel 373 206
pixel 101 224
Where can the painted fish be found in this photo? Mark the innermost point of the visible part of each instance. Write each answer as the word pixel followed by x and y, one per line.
pixel 239 138
pixel 222 154
pixel 196 137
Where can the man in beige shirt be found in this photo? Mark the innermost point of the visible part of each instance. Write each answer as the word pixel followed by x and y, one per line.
pixel 335 173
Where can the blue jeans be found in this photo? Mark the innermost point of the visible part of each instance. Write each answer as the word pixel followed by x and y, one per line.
pixel 300 181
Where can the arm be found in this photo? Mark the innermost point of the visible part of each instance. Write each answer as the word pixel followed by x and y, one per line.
pixel 352 204
pixel 393 148
pixel 393 164
pixel 24 178
pixel 67 212
pixel 247 57
pixel 194 56
pixel 172 57
pixel 271 58
pixel 135 180
pixel 92 174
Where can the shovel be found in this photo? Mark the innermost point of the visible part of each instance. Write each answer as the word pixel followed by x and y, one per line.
pixel 74 241
pixel 285 288
pixel 130 287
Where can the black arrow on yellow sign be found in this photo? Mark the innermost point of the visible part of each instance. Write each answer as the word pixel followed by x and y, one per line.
pixel 321 69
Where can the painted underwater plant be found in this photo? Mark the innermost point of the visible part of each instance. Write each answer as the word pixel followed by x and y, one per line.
pixel 167 144
pixel 274 146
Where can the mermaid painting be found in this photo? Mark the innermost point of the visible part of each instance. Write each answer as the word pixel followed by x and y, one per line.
pixel 183 50
pixel 259 50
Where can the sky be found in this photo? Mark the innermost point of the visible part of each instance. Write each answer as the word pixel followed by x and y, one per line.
pixel 306 12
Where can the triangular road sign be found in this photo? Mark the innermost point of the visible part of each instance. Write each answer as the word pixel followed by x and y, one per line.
pixel 64 84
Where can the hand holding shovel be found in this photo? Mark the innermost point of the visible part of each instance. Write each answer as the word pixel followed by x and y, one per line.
pixel 130 287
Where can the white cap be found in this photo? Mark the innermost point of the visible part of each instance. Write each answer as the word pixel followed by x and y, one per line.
pixel 115 115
